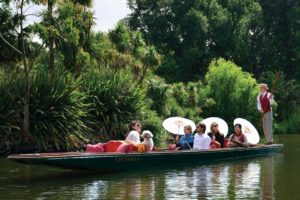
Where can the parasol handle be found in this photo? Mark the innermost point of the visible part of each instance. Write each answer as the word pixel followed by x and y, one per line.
pixel 188 145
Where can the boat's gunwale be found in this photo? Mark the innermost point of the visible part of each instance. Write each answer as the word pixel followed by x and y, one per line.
pixel 64 155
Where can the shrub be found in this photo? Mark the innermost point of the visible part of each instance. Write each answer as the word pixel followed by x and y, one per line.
pixel 159 93
pixel 291 124
pixel 57 110
pixel 234 92
pixel 178 99
pixel 9 110
pixel 116 100
pixel 188 100
pixel 151 121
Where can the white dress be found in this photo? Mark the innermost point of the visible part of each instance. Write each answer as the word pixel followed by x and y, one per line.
pixel 133 137
pixel 201 141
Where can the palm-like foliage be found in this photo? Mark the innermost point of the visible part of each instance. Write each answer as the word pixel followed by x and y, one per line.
pixel 9 111
pixel 115 101
pixel 57 111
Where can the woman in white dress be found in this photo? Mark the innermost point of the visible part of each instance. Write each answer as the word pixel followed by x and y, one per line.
pixel 133 136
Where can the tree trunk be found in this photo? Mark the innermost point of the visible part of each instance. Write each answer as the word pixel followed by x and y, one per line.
pixel 51 40
pixel 27 80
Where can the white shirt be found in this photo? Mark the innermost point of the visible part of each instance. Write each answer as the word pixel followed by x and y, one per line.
pixel 263 94
pixel 201 141
pixel 133 137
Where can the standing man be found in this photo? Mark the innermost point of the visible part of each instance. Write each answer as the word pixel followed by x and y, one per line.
pixel 264 102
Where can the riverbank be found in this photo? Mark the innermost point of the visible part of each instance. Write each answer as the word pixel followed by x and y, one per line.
pixel 6 149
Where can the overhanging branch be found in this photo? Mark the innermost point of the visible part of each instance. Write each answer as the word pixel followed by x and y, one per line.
pixel 14 48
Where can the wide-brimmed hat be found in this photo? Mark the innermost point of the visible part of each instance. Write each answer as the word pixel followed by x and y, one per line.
pixel 263 85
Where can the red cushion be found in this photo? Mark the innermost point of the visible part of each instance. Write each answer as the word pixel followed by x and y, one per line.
pixel 96 148
pixel 172 146
pixel 132 147
pixel 123 148
pixel 112 146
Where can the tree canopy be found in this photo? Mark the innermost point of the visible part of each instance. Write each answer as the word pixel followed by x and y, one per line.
pixel 258 35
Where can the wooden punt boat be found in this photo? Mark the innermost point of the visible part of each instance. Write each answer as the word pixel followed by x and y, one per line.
pixel 133 161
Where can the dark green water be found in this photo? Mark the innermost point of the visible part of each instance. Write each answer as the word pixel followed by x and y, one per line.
pixel 271 177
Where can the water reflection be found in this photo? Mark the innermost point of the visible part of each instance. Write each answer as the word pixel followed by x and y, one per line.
pixel 241 179
pixel 216 182
pixel 268 178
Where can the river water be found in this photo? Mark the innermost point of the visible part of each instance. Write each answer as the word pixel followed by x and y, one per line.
pixel 270 177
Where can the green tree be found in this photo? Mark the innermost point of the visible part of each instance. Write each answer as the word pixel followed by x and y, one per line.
pixel 21 49
pixel 131 47
pixel 294 17
pixel 198 31
pixel 66 25
pixel 46 29
pixel 277 49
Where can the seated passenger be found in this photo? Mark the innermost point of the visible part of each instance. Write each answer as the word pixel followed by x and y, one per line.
pixel 217 138
pixel 186 141
pixel 201 141
pixel 237 139
pixel 133 136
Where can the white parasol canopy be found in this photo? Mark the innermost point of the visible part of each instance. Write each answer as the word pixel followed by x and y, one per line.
pixel 223 127
pixel 175 125
pixel 248 129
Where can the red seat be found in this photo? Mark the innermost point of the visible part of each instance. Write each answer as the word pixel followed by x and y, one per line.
pixel 123 148
pixel 112 145
pixel 132 148
pixel 172 146
pixel 95 148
